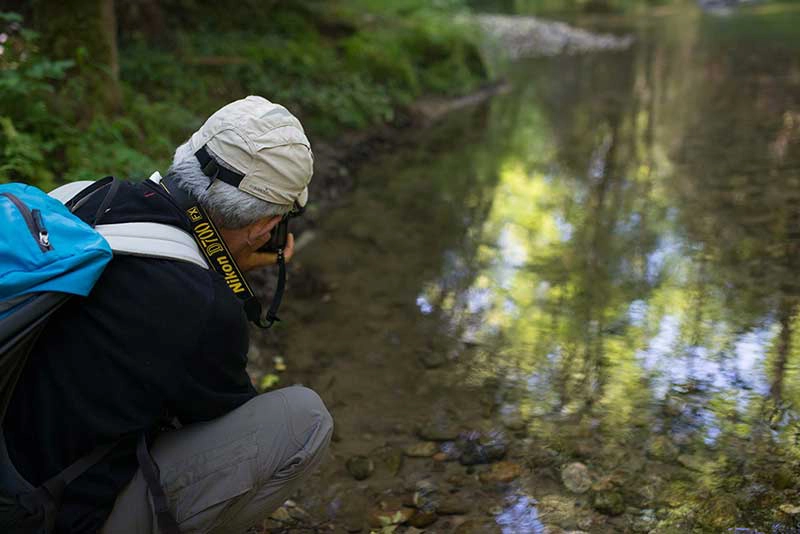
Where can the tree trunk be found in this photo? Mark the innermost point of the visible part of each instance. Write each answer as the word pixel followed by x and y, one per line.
pixel 84 31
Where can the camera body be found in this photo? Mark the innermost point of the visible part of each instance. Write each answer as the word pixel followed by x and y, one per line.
pixel 280 234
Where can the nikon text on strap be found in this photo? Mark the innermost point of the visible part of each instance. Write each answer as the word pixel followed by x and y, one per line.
pixel 220 259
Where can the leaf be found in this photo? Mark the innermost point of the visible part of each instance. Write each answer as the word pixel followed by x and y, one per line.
pixel 268 381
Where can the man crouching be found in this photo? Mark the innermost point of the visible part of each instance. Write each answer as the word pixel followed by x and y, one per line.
pixel 159 339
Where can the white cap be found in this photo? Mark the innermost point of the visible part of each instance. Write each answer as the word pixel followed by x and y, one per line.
pixel 263 142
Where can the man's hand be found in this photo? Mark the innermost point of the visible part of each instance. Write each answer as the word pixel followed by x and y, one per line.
pixel 244 243
pixel 251 258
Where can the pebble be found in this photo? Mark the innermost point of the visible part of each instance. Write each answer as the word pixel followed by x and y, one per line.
pixel 424 449
pixel 388 459
pixel 422 519
pixel 391 516
pixel 501 472
pixel 789 509
pixel 452 506
pixel 444 431
pixel 281 514
pixel 360 467
pixel 608 503
pixel 482 449
pixel 576 478
pixel 556 509
pixel 426 496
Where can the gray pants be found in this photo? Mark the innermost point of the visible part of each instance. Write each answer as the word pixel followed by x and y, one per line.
pixel 228 474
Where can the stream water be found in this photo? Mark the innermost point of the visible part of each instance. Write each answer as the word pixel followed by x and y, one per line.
pixel 597 270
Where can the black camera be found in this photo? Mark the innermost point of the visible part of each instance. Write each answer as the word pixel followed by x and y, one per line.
pixel 280 234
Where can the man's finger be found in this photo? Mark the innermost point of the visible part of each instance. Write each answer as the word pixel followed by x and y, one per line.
pixel 288 252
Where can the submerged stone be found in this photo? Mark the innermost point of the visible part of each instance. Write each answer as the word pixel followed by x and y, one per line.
pixel 388 459
pixel 439 431
pixel 501 472
pixel 360 467
pixel 576 478
pixel 390 516
pixel 452 506
pixel 422 519
pixel 482 449
pixel 609 503
pixel 424 449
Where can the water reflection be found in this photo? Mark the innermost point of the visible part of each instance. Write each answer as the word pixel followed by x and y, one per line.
pixel 607 255
pixel 520 515
pixel 639 269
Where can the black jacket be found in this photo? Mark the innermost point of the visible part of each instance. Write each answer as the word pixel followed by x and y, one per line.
pixel 154 339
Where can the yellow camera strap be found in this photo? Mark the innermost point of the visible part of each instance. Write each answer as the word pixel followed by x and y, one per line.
pixel 220 259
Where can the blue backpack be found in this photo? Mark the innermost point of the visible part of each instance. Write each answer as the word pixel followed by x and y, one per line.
pixel 47 256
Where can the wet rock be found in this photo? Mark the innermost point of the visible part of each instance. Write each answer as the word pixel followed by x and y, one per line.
pixel 438 431
pixel 298 514
pixel 608 503
pixel 388 459
pixel 482 449
pixel 281 515
pixel 555 509
pixel 426 496
pixel 450 450
pixel 390 516
pixel 576 478
pixel 542 456
pixel 432 359
pixel 609 482
pixel 452 506
pixel 422 519
pixel 360 467
pixel 424 449
pixel 789 509
pixel 501 472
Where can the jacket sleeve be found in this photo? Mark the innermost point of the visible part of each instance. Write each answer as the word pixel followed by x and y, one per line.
pixel 215 380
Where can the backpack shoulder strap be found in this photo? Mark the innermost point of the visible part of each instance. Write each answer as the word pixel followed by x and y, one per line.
pixel 146 239
pixel 152 240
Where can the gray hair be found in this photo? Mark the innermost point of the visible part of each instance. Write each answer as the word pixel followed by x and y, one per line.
pixel 229 207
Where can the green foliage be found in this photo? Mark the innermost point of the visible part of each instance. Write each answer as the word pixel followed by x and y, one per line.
pixel 339 64
pixel 26 86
